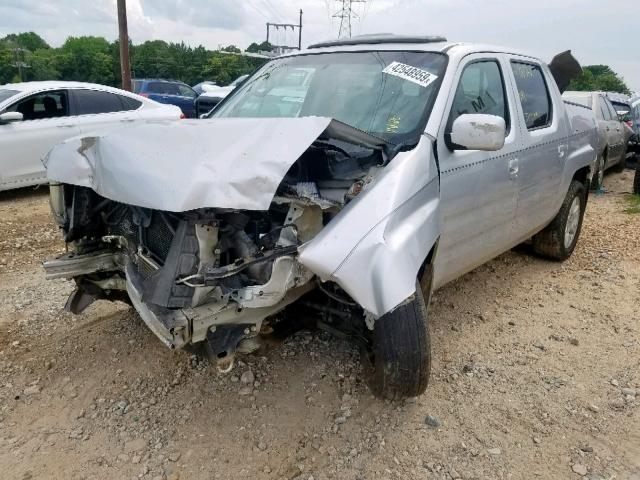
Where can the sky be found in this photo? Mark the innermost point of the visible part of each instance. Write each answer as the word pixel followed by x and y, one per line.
pixel 597 31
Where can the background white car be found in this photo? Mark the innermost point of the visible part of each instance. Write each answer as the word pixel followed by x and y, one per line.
pixel 35 116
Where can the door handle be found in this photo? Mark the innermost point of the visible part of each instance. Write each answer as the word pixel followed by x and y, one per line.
pixel 66 125
pixel 513 168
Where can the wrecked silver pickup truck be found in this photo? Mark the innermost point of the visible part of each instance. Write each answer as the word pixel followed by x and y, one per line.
pixel 335 180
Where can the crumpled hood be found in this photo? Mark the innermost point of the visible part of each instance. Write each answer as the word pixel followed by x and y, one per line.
pixel 184 165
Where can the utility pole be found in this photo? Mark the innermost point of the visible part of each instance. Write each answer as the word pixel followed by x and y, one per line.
pixel 20 64
pixel 125 66
pixel 345 14
pixel 292 26
pixel 300 32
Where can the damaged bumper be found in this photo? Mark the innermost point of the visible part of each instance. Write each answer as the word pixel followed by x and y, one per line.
pixel 176 328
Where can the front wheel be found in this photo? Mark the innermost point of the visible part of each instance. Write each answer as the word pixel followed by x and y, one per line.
pixel 397 361
pixel 636 180
pixel 559 238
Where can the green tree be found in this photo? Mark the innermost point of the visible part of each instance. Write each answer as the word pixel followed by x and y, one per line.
pixel 7 70
pixel 94 59
pixel 599 78
pixel 87 59
pixel 232 49
pixel 262 47
pixel 43 65
pixel 29 40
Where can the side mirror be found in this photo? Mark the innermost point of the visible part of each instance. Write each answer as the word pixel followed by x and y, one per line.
pixel 478 132
pixel 8 117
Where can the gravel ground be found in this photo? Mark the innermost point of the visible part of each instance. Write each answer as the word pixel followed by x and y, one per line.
pixel 536 374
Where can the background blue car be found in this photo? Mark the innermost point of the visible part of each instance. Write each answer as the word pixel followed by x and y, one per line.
pixel 168 91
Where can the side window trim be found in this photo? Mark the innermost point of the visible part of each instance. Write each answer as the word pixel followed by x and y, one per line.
pixel 546 86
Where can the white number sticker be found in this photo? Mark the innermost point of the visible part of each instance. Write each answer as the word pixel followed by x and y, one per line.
pixel 411 74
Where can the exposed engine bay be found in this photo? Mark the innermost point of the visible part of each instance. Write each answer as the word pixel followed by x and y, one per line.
pixel 211 274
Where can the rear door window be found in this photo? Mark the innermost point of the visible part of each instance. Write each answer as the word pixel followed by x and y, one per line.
pixel 533 94
pixel 480 90
pixel 91 102
pixel 163 88
pixel 43 105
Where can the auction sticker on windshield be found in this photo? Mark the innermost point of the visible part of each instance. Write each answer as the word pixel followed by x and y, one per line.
pixel 412 74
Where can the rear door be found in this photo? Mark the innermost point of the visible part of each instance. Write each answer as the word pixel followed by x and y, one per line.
pixel 545 145
pixel 23 144
pixel 478 189
pixel 98 110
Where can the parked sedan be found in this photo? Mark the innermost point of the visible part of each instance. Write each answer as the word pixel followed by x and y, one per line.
pixel 35 116
pixel 171 92
pixel 613 134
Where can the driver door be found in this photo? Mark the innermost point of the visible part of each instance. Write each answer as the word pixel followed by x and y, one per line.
pixel 478 188
pixel 46 122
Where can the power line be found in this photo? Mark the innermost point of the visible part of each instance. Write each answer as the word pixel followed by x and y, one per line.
pixel 273 10
pixel 346 14
pixel 257 10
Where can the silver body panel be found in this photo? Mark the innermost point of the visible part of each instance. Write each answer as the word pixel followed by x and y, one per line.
pixel 471 205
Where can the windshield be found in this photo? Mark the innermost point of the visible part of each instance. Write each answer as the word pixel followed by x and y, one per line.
pixel 6 93
pixel 387 94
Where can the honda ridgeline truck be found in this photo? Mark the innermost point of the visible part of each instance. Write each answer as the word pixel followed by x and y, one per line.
pixel 399 165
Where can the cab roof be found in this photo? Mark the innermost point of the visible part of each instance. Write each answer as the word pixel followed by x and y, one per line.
pixel 387 41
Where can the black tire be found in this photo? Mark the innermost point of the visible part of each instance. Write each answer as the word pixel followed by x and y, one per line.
pixel 550 242
pixel 619 167
pixel 636 180
pixel 598 175
pixel 398 362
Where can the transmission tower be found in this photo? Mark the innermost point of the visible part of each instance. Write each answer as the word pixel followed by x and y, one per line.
pixel 345 14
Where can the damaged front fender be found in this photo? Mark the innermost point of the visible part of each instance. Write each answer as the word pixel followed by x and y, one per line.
pixel 376 245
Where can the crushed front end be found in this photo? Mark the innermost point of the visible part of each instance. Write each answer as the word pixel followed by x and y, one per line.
pixel 213 274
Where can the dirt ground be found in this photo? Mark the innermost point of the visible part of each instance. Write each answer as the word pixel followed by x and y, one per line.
pixel 536 374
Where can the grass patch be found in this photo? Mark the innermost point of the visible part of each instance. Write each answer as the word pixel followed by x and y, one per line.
pixel 634 204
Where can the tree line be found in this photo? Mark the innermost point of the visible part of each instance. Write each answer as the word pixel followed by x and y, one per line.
pixel 28 57
pixel 94 59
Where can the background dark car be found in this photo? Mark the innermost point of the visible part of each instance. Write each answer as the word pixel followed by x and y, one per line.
pixel 168 91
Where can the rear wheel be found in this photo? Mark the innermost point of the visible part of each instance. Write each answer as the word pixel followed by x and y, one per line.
pixel 559 238
pixel 636 180
pixel 397 361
